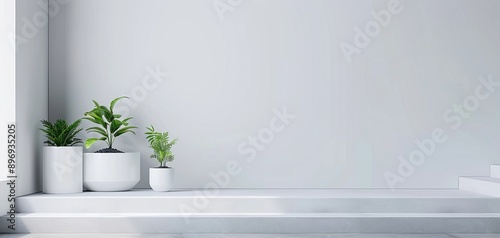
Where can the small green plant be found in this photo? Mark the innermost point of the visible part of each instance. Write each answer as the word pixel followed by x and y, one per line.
pixel 109 126
pixel 161 146
pixel 60 133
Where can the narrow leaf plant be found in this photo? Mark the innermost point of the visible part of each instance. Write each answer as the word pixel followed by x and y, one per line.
pixel 60 133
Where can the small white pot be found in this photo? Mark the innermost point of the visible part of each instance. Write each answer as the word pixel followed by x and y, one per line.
pixel 62 169
pixel 161 179
pixel 109 172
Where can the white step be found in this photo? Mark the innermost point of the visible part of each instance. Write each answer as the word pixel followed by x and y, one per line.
pixel 483 185
pixel 495 170
pixel 262 201
pixel 259 211
pixel 257 223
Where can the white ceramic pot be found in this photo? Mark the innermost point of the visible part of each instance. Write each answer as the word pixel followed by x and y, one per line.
pixel 62 169
pixel 108 172
pixel 161 179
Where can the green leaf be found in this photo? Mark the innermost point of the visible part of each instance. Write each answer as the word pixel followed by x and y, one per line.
pixel 124 130
pixel 60 133
pixel 112 104
pixel 97 130
pixel 115 125
pixel 107 114
pixel 97 112
pixel 161 145
pixel 95 118
pixel 126 119
pixel 90 141
pixel 98 108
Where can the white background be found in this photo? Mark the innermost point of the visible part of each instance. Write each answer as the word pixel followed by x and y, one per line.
pixel 352 121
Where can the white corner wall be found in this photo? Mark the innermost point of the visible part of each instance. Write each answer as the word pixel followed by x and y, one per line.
pixel 31 91
pixel 8 81
pixel 231 72
pixel 8 88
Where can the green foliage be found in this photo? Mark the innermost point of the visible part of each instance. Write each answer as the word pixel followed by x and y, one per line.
pixel 109 126
pixel 60 133
pixel 161 146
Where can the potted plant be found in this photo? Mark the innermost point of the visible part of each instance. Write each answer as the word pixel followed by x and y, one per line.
pixel 109 169
pixel 62 158
pixel 161 178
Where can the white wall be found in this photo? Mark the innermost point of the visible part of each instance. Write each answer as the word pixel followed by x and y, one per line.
pixel 353 119
pixel 31 91
pixel 8 89
pixel 8 80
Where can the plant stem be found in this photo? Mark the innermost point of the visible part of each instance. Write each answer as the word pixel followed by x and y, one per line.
pixel 110 138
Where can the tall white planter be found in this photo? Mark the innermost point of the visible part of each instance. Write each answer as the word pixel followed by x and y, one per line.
pixel 62 169
pixel 161 179
pixel 107 172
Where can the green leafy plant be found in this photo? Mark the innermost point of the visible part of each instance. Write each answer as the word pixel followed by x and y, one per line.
pixel 159 142
pixel 109 126
pixel 60 133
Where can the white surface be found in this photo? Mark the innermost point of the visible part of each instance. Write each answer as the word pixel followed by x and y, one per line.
pixel 8 81
pixel 31 97
pixel 482 185
pixel 161 179
pixel 111 171
pixel 225 79
pixel 260 211
pixel 62 169
pixel 262 201
pixel 277 193
pixel 495 171
pixel 260 223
